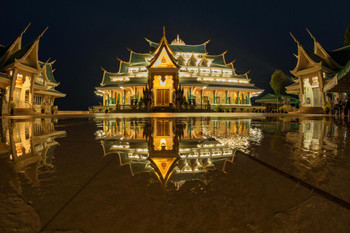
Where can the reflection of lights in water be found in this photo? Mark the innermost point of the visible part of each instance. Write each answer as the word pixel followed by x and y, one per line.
pixel 242 142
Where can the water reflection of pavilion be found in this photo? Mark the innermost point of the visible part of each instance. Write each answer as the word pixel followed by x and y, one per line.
pixel 30 146
pixel 174 150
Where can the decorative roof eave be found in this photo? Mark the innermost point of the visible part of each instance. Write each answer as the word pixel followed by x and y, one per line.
pixel 120 64
pixel 130 56
pixel 38 86
pixel 109 87
pixel 44 69
pixel 236 88
pixel 293 86
pixel 104 75
pixel 231 64
pixel 302 52
pixel 297 72
pixel 50 92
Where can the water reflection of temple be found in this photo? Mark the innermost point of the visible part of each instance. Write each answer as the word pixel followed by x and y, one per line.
pixel 314 146
pixel 174 150
pixel 30 146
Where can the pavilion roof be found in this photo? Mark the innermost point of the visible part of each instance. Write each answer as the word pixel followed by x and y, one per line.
pixel 341 56
pixel 273 99
pixel 19 54
pixel 140 59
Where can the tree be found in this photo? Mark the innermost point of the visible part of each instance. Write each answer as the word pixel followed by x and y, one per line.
pixel 347 36
pixel 279 81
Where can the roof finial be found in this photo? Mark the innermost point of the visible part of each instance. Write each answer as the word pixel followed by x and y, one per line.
pixel 311 34
pixel 163 31
pixel 25 29
pixel 102 68
pixel 296 41
pixel 41 34
pixel 206 42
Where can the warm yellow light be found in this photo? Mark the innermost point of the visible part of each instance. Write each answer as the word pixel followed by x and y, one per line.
pixel 163 60
pixel 163 164
pixel 19 80
pixel 161 82
pixel 163 142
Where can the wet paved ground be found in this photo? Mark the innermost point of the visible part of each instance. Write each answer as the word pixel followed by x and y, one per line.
pixel 175 175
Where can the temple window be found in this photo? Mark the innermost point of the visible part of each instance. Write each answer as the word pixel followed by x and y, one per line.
pixel 26 96
pixel 228 72
pixel 131 70
pixel 37 100
pixel 204 63
pixel 19 80
pixel 215 71
pixel 194 70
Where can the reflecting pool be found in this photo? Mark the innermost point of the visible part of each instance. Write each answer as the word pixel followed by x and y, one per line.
pixel 164 174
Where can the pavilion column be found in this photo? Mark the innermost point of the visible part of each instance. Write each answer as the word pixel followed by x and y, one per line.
pixel 320 81
pixel 123 97
pixel 202 96
pixel 13 85
pixel 238 97
pixel 214 97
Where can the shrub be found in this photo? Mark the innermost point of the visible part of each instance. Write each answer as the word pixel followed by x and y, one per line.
pixel 282 109
pixel 219 108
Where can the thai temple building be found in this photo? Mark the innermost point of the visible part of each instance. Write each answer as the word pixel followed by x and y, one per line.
pixel 323 76
pixel 175 151
pixel 27 84
pixel 174 74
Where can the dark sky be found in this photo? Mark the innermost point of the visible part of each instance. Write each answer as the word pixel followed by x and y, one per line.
pixel 83 35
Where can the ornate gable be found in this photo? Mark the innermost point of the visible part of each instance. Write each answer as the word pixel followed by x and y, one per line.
pixel 30 58
pixel 163 57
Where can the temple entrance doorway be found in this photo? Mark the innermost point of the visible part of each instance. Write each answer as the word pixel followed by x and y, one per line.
pixel 163 90
pixel 163 98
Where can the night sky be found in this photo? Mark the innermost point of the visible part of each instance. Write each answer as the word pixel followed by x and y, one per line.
pixel 84 35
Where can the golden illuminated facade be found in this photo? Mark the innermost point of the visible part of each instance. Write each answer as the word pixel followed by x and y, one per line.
pixel 323 76
pixel 175 151
pixel 27 85
pixel 173 75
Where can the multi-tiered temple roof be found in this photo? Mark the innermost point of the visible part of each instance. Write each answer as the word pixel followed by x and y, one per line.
pixel 197 68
